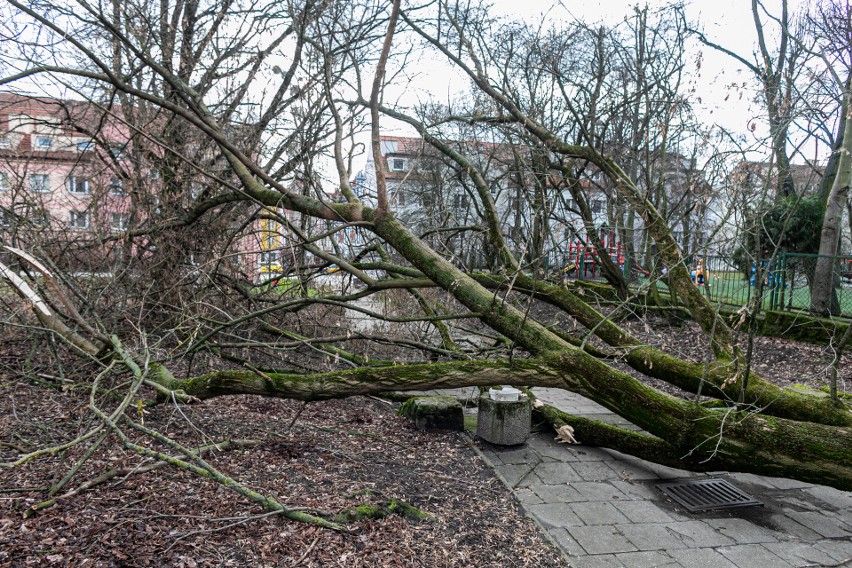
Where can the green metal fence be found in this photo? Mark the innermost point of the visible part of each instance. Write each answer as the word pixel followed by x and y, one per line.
pixel 787 281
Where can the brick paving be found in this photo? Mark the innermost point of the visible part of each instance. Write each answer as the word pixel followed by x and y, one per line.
pixel 602 509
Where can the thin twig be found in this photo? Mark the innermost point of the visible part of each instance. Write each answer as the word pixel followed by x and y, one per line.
pixel 307 552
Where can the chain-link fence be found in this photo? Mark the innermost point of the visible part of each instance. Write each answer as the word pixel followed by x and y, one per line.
pixel 787 281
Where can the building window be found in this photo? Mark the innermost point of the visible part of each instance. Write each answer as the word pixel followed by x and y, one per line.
pixel 40 183
pixel 116 186
pixel 117 150
pixel 39 219
pixel 118 221
pixel 78 185
pixel 78 219
pixel 5 218
pixel 43 142
pixel 597 205
pixel 5 142
pixel 270 258
pixel 397 165
pixel 85 146
pixel 400 198
pixel 5 185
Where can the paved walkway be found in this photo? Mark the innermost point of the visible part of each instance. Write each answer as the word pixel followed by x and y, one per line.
pixel 603 510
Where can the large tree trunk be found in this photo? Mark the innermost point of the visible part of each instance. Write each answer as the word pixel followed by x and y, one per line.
pixel 681 433
pixel 822 292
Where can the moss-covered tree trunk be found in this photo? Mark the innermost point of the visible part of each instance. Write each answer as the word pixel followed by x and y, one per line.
pixel 679 433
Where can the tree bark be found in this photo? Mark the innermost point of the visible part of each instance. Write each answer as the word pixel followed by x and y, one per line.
pixel 822 292
pixel 695 437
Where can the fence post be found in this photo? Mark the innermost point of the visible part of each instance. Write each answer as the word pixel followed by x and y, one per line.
pixel 772 278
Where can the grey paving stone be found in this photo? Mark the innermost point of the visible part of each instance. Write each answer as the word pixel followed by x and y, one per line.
pixel 661 471
pixel 595 471
pixel 598 513
pixel 651 536
pixel 784 483
pixel 548 448
pixel 647 559
pixel 742 531
pixel 491 457
pixel 702 558
pixel 599 561
pixel 637 491
pixel 790 502
pixel 523 455
pixel 628 471
pixel 823 523
pixel 566 542
pixel 698 534
pixel 604 415
pixel 602 508
pixel 799 553
pixel 514 474
pixel 752 556
pixel 751 480
pixel 556 473
pixel 557 493
pixel 589 453
pixel 526 496
pixel 603 491
pixel 837 549
pixel 643 512
pixel 831 496
pixel 793 529
pixel 602 539
pixel 552 515
pixel 765 482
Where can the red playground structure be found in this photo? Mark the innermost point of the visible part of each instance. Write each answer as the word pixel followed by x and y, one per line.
pixel 583 263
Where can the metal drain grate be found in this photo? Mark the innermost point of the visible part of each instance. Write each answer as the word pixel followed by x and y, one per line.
pixel 704 494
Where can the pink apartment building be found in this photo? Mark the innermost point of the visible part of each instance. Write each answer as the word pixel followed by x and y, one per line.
pixel 68 182
pixel 59 177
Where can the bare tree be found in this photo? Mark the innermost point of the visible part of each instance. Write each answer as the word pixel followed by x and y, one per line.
pixel 761 428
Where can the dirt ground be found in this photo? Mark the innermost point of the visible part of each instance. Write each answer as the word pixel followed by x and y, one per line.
pixel 337 454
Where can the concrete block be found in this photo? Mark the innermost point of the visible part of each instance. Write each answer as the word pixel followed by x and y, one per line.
pixel 504 423
pixel 434 413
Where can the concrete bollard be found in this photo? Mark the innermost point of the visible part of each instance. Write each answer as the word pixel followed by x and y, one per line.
pixel 505 423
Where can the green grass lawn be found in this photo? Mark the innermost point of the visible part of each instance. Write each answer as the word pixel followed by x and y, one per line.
pixel 732 289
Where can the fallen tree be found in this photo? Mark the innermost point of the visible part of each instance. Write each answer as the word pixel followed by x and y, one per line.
pixel 751 425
